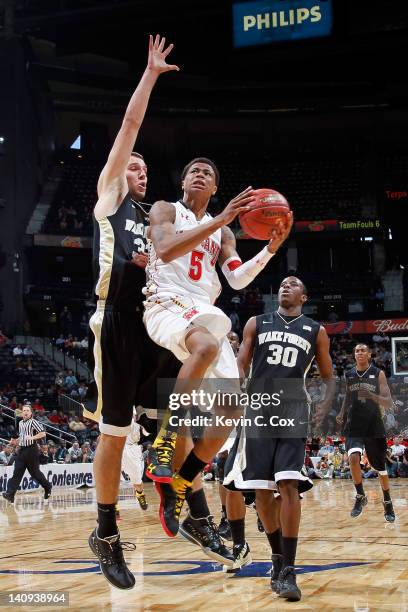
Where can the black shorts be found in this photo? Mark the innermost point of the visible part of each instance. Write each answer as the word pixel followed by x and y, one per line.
pixel 376 449
pixel 261 463
pixel 125 365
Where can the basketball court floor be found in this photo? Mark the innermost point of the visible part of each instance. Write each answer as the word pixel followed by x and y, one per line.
pixel 343 563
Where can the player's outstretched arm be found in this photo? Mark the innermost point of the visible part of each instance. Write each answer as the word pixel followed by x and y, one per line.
pixel 112 186
pixel 246 349
pixel 239 274
pixel 169 245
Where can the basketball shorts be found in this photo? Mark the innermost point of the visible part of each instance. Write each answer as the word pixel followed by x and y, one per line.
pixel 261 463
pixel 132 463
pixel 168 322
pixel 376 450
pixel 125 363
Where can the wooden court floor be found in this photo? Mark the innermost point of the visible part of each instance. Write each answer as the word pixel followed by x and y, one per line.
pixel 343 563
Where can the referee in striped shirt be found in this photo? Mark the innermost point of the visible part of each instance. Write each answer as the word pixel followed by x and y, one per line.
pixel 29 431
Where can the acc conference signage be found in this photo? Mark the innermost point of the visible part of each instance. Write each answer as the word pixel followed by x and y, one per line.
pixel 259 23
pixel 59 475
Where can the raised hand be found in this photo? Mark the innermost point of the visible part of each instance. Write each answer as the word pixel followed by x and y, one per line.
pixel 280 234
pixel 158 54
pixel 239 204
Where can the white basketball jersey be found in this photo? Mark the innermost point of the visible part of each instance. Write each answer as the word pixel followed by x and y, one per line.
pixel 193 274
pixel 134 435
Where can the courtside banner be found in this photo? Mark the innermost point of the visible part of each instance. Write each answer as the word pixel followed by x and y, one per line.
pixel 261 23
pixel 386 326
pixel 58 474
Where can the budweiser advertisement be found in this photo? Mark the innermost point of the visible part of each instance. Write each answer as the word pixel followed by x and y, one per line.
pixel 387 326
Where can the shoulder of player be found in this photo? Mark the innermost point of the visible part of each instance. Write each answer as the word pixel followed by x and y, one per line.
pixel 110 197
pixel 162 211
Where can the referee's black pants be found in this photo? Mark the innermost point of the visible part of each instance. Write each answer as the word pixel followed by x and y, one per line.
pixel 27 458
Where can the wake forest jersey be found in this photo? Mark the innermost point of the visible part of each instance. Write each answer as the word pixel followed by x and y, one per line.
pixel 283 353
pixel 364 417
pixel 116 238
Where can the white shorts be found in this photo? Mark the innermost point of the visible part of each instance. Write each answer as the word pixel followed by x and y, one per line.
pixel 167 324
pixel 132 463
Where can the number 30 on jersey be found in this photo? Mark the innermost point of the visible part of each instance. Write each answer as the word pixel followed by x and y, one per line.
pixel 286 356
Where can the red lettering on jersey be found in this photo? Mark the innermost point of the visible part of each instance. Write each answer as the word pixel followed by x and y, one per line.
pixel 190 313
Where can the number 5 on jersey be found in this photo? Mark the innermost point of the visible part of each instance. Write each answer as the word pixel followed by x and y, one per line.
pixel 196 268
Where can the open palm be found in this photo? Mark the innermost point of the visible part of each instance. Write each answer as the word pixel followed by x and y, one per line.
pixel 158 55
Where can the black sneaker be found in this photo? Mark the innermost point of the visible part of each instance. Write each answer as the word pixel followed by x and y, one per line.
pixel 275 571
pixel 160 458
pixel 288 589
pixel 224 529
pixel 242 557
pixel 117 513
pixel 171 503
pixel 204 533
pixel 360 502
pixel 111 561
pixel 259 524
pixel 47 492
pixel 9 497
pixel 389 513
pixel 141 498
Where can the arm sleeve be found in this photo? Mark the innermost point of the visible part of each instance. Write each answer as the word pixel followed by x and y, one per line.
pixel 239 274
pixel 38 426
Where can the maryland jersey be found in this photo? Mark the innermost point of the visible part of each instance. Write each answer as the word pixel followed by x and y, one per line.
pixel 364 417
pixel 193 274
pixel 284 349
pixel 116 238
pixel 134 435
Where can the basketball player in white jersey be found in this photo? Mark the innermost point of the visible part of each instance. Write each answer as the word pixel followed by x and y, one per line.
pixel 132 460
pixel 180 315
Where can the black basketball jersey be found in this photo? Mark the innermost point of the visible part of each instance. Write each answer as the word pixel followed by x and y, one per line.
pixel 283 353
pixel 116 238
pixel 364 417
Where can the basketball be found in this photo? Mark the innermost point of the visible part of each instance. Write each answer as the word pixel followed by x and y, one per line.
pixel 270 208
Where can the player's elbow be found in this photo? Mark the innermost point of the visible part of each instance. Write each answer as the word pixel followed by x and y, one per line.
pixel 165 255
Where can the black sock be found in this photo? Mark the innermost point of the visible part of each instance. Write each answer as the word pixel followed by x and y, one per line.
pixel 359 488
pixel 238 531
pixel 386 495
pixel 223 512
pixel 198 504
pixel 106 520
pixel 191 467
pixel 275 541
pixel 289 546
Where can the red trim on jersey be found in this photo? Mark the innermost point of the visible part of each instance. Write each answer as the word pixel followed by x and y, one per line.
pixel 234 264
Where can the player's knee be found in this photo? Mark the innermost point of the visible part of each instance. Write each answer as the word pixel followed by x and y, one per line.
pixel 207 350
pixel 289 489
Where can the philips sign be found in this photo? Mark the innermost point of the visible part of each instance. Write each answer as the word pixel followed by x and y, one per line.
pixel 260 23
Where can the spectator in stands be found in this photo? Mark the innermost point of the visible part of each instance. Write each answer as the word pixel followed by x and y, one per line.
pixel 3 339
pixel 13 403
pixel 70 381
pixel 235 322
pixel 62 452
pixel 74 454
pixel 65 320
pixel 60 378
pixel 63 419
pixel 76 425
pixel 52 452
pixel 84 343
pixel 54 418
pixel 37 406
pixel 397 449
pixel 17 351
pixel 44 455
pixel 6 454
pixel 60 342
pixel 28 351
pixel 381 337
pixel 82 391
pixel 327 449
pixel 392 466
pixel 87 453
pixel 403 466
